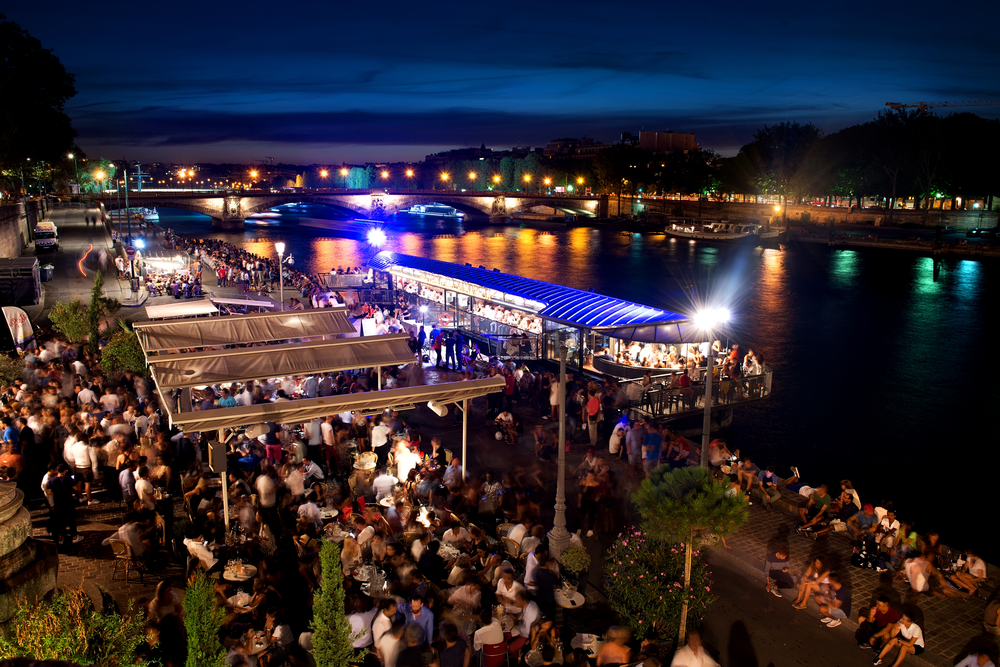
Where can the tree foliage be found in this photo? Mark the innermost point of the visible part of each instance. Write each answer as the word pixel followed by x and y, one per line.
pixel 11 370
pixel 100 306
pixel 123 353
pixel 687 505
pixel 71 319
pixel 203 620
pixel 644 583
pixel 332 633
pixel 68 628
pixel 35 87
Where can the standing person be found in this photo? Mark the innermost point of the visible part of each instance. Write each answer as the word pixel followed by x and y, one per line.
pixel 633 444
pixel 421 341
pixel 449 356
pixel 593 411
pixel 651 445
pixel 693 653
pixel 64 497
pixel 905 634
pixel 436 344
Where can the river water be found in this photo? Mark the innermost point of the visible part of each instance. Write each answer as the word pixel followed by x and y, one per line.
pixel 881 358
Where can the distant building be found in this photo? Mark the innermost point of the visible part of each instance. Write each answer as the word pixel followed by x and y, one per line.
pixel 661 143
pixel 460 154
pixel 584 149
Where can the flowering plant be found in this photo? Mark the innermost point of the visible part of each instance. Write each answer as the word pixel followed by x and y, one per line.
pixel 644 581
pixel 575 560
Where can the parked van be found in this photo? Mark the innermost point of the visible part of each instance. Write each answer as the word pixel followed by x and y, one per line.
pixel 46 236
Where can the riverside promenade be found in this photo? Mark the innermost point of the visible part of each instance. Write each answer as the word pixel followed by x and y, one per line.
pixel 746 626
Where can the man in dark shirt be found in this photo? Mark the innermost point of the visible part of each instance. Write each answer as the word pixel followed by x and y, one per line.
pixel 873 627
pixel 64 505
pixel 546 582
pixel 25 438
pixel 453 653
pixel 835 605
pixel 431 565
pixel 416 654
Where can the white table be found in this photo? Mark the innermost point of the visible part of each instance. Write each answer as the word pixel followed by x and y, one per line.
pixel 249 572
pixel 328 513
pixel 574 601
pixel 582 641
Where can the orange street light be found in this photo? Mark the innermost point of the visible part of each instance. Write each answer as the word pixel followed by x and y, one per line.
pixel 579 181
pixel 323 173
pixel 548 181
pixel 472 175
pixel 385 174
pixel 444 177
pixel 343 172
pixel 496 179
pixel 253 174
pixel 409 173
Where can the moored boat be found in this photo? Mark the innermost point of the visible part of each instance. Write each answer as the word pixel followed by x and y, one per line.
pixel 720 232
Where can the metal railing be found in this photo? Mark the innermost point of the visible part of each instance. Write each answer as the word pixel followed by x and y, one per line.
pixel 661 400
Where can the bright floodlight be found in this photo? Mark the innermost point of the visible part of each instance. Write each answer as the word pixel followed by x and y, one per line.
pixel 376 237
pixel 323 173
pixel 409 173
pixel 423 309
pixel 280 247
pixel 140 244
pixel 711 317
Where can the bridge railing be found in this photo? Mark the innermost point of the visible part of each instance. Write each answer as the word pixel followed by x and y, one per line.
pixel 662 401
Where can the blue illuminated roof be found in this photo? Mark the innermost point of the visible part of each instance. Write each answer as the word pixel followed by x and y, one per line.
pixel 564 304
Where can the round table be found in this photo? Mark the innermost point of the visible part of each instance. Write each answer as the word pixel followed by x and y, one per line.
pixel 249 572
pixel 239 607
pixel 328 513
pixel 386 502
pixel 364 466
pixel 570 602
pixel 593 641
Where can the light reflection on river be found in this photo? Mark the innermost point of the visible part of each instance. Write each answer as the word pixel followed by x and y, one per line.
pixel 883 372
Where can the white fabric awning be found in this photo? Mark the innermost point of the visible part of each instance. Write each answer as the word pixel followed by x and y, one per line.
pixel 298 412
pixel 237 329
pixel 182 309
pixel 195 369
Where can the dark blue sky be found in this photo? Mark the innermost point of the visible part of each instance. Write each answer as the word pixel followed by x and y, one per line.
pixel 354 81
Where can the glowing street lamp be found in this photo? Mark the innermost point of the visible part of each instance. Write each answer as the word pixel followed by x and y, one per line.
pixel 496 181
pixel 708 320
pixel 343 177
pixel 76 169
pixel 323 173
pixel 579 180
pixel 444 177
pixel 548 182
pixel 280 247
pixel 473 176
pixel 99 176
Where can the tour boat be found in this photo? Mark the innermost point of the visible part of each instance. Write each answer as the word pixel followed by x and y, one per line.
pixel 725 232
pixel 435 210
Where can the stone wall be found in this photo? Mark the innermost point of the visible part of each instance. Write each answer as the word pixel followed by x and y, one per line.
pixel 27 568
pixel 16 223
pixel 710 210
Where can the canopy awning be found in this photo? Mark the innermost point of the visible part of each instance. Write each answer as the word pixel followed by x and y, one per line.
pixel 196 369
pixel 249 303
pixel 238 329
pixel 679 332
pixel 182 309
pixel 298 412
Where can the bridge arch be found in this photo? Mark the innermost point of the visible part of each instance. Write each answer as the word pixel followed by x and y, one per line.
pixel 344 206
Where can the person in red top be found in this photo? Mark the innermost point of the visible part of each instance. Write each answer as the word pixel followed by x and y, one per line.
pixel 593 411
pixel 508 390
pixel 874 626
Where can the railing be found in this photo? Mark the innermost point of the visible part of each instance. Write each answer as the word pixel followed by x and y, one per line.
pixel 340 281
pixel 666 401
pixel 507 347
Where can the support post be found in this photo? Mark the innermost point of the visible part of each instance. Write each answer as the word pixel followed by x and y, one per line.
pixel 225 498
pixel 706 429
pixel 559 536
pixel 465 435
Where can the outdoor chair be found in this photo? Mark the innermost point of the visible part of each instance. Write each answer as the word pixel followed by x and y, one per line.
pixel 124 559
pixel 510 547
pixel 493 655
pixel 503 530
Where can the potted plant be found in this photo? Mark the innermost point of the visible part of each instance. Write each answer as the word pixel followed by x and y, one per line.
pixel 575 562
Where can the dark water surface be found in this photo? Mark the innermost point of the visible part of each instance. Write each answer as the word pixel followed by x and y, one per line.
pixel 883 370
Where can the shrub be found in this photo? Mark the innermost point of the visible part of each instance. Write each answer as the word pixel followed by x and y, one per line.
pixel 332 633
pixel 575 560
pixel 644 580
pixel 68 628
pixel 11 370
pixel 71 319
pixel 203 620
pixel 123 353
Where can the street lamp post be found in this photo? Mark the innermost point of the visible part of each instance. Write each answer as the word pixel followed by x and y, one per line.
pixel 280 247
pixel 343 178
pixel 559 536
pixel 707 321
pixel 77 170
pixel 409 179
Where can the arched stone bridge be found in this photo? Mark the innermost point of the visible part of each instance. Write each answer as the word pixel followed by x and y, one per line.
pixel 229 209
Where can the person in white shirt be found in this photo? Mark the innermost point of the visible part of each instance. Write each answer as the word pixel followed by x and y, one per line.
pixel 86 397
pixel 518 532
pixel 361 626
pixel 384 485
pixel 366 532
pixel 310 387
pixel 908 636
pixel 380 441
pixel 693 653
pixel 453 473
pixel 977 659
pixel 267 492
pixel 144 490
pixel 85 461
pixel 508 587
pixel 490 634
pixel 383 620
pixel 131 533
pixel 468 595
pixel 197 548
pixel 310 511
pixel 887 531
pixel 529 543
pixel 311 472
pixel 457 536
pixel 389 648
pixel 109 402
pixel 529 614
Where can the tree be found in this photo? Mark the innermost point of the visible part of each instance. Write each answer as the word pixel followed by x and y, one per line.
pixel 332 633
pixel 100 306
pixel 642 578
pixel 685 505
pixel 35 126
pixel 11 370
pixel 789 158
pixel 123 351
pixel 68 628
pixel 71 319
pixel 203 620
pixel 619 164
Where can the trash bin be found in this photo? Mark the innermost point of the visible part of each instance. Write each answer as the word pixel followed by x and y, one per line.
pixel 48 272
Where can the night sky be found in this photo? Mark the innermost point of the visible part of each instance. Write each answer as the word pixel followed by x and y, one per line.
pixel 369 81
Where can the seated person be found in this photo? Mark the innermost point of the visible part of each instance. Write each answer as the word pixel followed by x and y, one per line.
pixel 875 626
pixel 747 472
pixel 863 524
pixel 505 424
pixel 718 453
pixel 972 574
pixel 815 511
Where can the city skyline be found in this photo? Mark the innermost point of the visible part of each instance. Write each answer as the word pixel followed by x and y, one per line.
pixel 331 84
